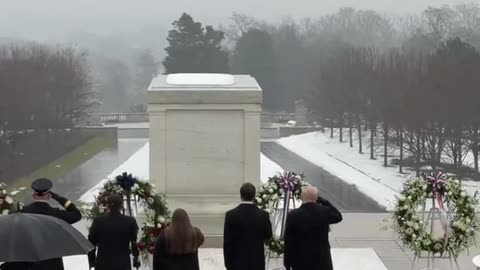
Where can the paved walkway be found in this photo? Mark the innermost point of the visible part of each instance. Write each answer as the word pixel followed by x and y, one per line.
pixel 344 196
pixel 84 177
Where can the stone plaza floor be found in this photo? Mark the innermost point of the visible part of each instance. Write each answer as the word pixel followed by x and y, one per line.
pixel 360 230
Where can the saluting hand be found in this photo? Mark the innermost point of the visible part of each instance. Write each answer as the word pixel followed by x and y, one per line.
pixel 321 200
pixel 55 196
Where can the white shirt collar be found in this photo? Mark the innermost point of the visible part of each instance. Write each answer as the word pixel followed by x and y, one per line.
pixel 246 202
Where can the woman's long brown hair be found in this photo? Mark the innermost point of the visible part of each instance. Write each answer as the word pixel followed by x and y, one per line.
pixel 180 236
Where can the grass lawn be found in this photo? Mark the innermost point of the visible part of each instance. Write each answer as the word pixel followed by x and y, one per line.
pixel 64 164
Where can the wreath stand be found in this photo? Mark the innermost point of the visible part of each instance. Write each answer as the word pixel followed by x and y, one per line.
pixel 279 220
pixel 127 204
pixel 435 214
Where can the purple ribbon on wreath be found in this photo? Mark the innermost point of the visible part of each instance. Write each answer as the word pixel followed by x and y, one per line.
pixel 126 181
pixel 436 182
pixel 288 180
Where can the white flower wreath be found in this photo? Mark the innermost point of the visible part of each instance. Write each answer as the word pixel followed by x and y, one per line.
pixel 7 202
pixel 157 215
pixel 447 194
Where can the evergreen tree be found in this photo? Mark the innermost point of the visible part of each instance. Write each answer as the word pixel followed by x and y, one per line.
pixel 146 70
pixel 254 55
pixel 195 49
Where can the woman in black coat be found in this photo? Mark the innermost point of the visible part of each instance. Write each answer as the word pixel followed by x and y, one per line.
pixel 177 246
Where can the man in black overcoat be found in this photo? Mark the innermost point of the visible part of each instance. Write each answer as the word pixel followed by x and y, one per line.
pixel 115 237
pixel 41 205
pixel 246 229
pixel 306 233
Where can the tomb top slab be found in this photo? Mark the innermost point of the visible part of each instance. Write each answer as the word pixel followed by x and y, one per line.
pixel 203 80
pixel 204 89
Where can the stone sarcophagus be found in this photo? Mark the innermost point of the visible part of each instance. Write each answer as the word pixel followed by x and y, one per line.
pixel 204 142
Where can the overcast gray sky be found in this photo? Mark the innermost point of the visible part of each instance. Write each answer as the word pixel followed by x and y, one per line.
pixel 41 18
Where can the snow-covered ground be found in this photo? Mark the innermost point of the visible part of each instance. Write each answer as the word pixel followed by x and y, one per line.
pixel 268 168
pixel 369 176
pixel 138 165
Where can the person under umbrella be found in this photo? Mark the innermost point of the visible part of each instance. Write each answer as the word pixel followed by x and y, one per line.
pixel 30 238
pixel 41 196
pixel 115 236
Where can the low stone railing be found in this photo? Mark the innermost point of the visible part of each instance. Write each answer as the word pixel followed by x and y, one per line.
pixel 143 117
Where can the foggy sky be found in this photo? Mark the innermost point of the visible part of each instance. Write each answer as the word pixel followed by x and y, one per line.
pixel 42 19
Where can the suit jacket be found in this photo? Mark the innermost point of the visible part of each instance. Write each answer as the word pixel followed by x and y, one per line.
pixel 246 229
pixel 70 215
pixel 306 236
pixel 113 234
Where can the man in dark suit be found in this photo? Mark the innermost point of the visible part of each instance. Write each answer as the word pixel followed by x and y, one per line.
pixel 306 233
pixel 115 236
pixel 41 205
pixel 246 229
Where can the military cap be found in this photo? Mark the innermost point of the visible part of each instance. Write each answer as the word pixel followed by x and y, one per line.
pixel 42 186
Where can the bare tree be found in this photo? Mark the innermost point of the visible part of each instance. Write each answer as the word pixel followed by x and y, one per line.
pixel 439 22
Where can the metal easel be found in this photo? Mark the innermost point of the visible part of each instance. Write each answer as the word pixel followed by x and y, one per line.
pixel 279 220
pixel 435 214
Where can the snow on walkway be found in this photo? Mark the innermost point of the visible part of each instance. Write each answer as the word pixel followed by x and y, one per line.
pixel 369 176
pixel 138 165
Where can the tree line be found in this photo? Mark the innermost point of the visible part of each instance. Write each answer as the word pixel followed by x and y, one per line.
pixel 426 104
pixel 406 83
pixel 43 87
pixel 284 56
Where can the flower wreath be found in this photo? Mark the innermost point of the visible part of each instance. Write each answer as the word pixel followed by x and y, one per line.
pixel 269 195
pixel 449 198
pixel 7 202
pixel 154 207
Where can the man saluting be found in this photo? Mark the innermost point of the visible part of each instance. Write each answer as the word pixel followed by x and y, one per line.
pixel 41 196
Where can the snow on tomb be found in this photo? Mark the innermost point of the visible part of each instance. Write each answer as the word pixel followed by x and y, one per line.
pixel 200 79
pixel 204 142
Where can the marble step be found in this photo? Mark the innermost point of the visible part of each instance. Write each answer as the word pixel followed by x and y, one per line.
pixel 212 259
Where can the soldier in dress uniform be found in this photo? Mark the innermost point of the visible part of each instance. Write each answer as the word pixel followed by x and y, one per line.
pixel 41 196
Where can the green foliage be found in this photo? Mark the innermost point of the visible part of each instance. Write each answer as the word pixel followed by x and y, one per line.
pixel 195 49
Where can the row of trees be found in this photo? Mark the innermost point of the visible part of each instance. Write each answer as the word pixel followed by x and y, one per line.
pixel 283 56
pixel 44 92
pixel 43 87
pixel 427 104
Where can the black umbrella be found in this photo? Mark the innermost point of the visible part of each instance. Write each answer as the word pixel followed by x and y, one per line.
pixel 33 238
